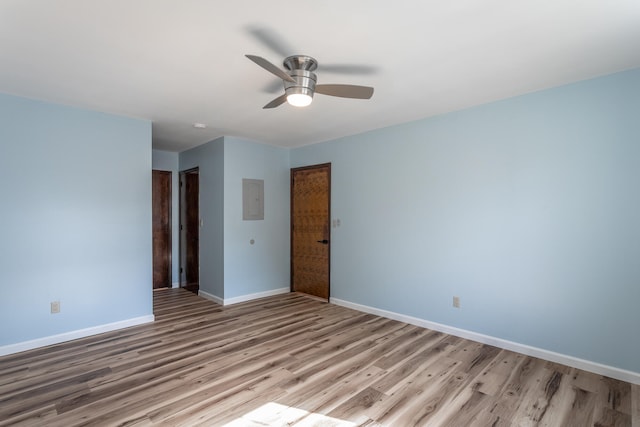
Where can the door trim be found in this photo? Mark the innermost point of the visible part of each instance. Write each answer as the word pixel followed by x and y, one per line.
pixel 293 170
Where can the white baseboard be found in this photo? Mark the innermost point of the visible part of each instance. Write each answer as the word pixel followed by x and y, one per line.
pixel 249 297
pixel 74 335
pixel 243 298
pixel 586 365
pixel 210 297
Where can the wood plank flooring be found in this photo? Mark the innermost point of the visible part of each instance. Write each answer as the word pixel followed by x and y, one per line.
pixel 292 360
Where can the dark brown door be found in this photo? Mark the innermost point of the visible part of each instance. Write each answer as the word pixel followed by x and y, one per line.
pixel 190 230
pixel 310 229
pixel 161 211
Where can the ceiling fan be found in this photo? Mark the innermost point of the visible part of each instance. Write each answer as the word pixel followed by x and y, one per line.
pixel 300 82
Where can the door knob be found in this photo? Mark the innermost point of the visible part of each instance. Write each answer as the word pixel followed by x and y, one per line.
pixel 324 242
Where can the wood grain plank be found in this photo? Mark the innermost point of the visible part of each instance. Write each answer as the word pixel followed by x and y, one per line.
pixel 635 405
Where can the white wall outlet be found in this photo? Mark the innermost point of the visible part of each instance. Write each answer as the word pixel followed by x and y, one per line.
pixel 456 302
pixel 55 307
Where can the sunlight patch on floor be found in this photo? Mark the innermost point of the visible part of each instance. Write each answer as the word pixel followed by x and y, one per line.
pixel 274 414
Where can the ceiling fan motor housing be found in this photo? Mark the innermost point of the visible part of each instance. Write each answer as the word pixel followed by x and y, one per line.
pixel 305 83
pixel 301 68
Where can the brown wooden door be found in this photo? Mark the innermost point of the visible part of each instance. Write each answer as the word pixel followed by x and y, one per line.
pixel 190 230
pixel 161 211
pixel 310 229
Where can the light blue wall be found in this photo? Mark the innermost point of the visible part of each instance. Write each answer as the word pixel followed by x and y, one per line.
pixel 169 161
pixel 527 209
pixel 229 265
pixel 263 266
pixel 209 158
pixel 75 219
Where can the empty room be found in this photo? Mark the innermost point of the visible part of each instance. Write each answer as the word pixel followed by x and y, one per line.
pixel 344 214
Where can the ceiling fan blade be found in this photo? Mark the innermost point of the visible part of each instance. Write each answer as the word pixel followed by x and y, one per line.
pixel 346 91
pixel 272 40
pixel 348 69
pixel 271 68
pixel 277 102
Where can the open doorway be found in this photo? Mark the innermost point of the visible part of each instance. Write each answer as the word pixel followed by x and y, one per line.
pixel 190 230
pixel 161 210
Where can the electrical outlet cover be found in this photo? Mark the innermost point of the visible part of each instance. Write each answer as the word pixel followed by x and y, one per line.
pixel 55 307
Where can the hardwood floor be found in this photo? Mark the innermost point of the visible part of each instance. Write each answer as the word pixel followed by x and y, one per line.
pixel 292 360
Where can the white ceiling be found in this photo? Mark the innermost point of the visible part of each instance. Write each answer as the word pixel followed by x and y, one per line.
pixel 177 62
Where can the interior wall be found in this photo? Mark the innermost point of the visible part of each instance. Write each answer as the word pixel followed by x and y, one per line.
pixel 209 158
pixel 170 161
pixel 230 266
pixel 264 265
pixel 76 219
pixel 527 209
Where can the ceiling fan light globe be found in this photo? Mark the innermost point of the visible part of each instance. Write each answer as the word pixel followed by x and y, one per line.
pixel 299 99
